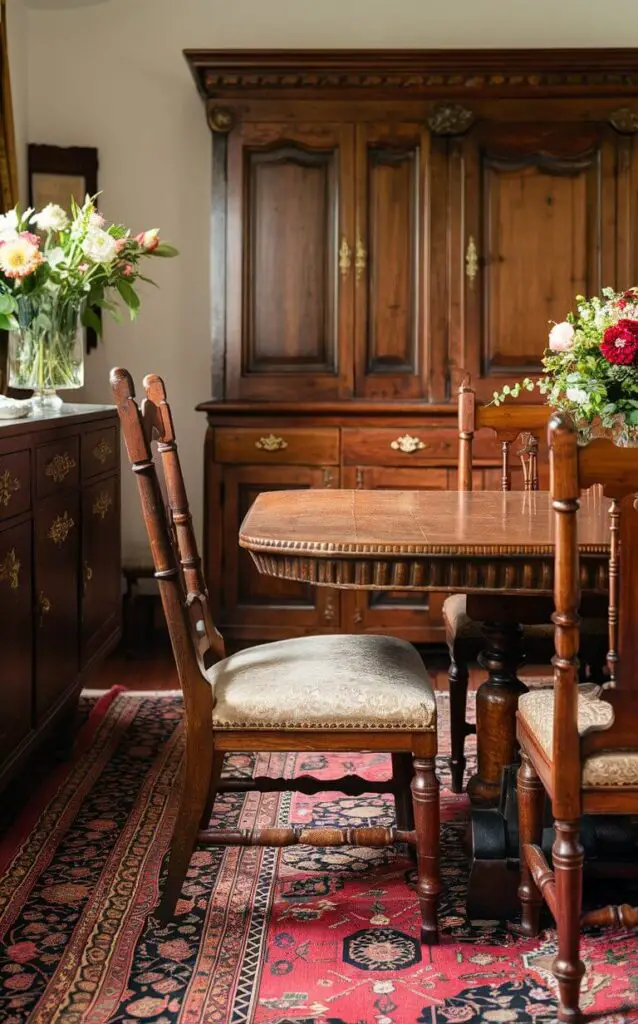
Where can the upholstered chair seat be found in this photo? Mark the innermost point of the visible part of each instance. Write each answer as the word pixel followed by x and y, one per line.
pixel 607 768
pixel 324 682
pixel 459 625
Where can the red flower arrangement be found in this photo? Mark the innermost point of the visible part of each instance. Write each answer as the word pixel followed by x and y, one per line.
pixel 620 342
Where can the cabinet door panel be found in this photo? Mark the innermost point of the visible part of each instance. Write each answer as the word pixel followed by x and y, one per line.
pixel 16 645
pixel 101 578
pixel 390 346
pixel 409 614
pixel 56 598
pixel 259 603
pixel 533 212
pixel 289 284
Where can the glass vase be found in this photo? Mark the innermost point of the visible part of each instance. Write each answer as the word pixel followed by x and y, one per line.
pixel 618 430
pixel 46 353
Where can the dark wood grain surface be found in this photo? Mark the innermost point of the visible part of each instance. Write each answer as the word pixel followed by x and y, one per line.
pixel 326 524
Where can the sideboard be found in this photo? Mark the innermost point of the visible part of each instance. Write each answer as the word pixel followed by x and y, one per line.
pixel 60 579
pixel 384 223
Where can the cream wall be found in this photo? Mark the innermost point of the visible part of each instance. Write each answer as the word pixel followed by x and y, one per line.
pixel 113 76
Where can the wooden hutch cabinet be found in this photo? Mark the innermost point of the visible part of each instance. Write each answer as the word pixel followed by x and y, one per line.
pixel 384 223
pixel 60 578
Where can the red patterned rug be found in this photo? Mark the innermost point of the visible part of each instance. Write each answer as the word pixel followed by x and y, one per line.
pixel 297 936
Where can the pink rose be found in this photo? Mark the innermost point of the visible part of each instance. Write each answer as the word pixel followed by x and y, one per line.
pixel 561 337
pixel 83 267
pixel 127 269
pixel 120 243
pixel 148 239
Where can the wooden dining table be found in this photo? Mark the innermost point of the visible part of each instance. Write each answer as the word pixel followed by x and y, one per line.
pixel 496 547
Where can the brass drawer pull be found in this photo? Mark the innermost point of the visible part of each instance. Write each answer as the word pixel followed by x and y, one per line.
pixel 407 444
pixel 8 486
pixel 10 569
pixel 471 261
pixel 271 443
pixel 44 606
pixel 345 258
pixel 88 573
pixel 360 259
pixel 102 504
pixel 60 528
pixel 59 467
pixel 102 451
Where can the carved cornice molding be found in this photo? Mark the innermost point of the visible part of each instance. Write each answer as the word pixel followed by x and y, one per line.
pixel 415 72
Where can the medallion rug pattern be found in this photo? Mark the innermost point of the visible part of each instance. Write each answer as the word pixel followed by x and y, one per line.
pixel 261 936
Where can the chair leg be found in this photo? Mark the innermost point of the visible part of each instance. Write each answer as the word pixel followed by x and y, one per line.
pixel 425 796
pixel 458 678
pixel 218 764
pixel 193 799
pixel 568 858
pixel 402 778
pixel 531 805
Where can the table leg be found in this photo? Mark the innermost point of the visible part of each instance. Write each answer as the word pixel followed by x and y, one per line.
pixel 496 703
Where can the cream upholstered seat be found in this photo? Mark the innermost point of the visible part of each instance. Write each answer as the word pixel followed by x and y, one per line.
pixel 324 682
pixel 461 626
pixel 609 768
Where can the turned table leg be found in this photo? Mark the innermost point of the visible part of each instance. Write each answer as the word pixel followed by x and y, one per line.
pixel 496 703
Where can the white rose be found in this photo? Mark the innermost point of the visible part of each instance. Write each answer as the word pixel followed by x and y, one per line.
pixel 51 218
pixel 8 226
pixel 99 246
pixel 577 395
pixel 561 337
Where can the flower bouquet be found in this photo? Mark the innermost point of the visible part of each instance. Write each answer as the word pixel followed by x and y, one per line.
pixel 53 282
pixel 591 367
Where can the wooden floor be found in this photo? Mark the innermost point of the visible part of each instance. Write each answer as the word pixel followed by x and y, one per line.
pixel 154 669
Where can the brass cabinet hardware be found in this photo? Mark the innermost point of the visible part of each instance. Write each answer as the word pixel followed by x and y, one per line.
pixel 44 605
pixel 8 486
pixel 59 467
pixel 360 259
pixel 345 257
pixel 407 444
pixel 60 528
pixel 102 504
pixel 271 443
pixel 88 573
pixel 471 261
pixel 102 450
pixel 329 609
pixel 327 478
pixel 10 569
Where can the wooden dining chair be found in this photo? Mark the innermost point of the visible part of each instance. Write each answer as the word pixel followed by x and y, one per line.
pixel 511 423
pixel 579 743
pixel 311 693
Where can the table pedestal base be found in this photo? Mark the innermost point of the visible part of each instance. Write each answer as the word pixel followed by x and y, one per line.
pixel 496 703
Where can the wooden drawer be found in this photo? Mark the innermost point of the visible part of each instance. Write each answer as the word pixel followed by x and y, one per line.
pixel 15 484
pixel 296 446
pixel 411 446
pixel 99 451
pixel 58 465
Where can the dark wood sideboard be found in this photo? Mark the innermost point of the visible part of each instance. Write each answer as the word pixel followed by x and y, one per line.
pixel 60 577
pixel 382 224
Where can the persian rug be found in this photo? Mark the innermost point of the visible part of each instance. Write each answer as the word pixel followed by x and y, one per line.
pixel 261 936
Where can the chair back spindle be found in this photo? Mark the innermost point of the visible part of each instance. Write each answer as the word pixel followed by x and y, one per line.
pixel 196 642
pixel 508 422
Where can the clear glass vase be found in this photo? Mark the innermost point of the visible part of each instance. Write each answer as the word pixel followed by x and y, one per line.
pixel 619 431
pixel 46 353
